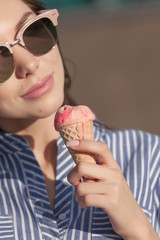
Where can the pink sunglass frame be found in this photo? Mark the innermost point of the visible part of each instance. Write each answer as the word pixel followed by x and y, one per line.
pixel 51 14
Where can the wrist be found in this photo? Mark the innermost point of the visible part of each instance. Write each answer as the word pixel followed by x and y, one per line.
pixel 141 229
pixel 141 234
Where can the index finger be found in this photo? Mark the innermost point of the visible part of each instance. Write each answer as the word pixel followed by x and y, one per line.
pixel 98 148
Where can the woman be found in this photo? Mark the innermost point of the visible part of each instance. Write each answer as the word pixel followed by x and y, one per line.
pixel 36 199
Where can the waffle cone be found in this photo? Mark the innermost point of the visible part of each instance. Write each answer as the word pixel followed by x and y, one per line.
pixel 79 131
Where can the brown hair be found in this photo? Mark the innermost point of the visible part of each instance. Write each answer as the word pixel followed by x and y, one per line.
pixel 36 6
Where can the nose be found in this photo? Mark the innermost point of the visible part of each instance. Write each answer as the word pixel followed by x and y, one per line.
pixel 25 63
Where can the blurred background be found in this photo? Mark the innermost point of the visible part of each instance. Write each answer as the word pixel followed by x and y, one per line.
pixel 112 49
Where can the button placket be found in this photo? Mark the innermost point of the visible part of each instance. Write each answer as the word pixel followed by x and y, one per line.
pixel 38 194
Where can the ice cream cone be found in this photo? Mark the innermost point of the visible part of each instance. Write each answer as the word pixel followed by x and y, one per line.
pixel 76 129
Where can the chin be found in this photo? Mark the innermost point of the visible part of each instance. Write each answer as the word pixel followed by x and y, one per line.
pixel 49 108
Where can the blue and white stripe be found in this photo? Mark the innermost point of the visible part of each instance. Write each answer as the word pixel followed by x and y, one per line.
pixel 25 211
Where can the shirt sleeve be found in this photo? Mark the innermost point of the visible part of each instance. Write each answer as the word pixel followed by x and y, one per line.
pixel 155 183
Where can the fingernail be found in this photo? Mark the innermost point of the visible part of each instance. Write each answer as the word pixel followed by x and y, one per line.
pixel 72 143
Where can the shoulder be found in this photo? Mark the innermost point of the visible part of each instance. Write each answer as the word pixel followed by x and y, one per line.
pixel 131 148
pixel 128 138
pixel 11 143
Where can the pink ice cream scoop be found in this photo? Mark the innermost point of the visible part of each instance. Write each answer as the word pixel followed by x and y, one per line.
pixel 67 115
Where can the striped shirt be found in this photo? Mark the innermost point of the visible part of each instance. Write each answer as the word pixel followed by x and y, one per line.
pixel 25 211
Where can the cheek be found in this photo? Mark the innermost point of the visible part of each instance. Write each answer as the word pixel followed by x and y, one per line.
pixel 7 104
pixel 56 59
pixel 58 68
pixel 5 97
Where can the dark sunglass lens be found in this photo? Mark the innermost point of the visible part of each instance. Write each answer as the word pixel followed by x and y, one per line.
pixel 6 64
pixel 40 37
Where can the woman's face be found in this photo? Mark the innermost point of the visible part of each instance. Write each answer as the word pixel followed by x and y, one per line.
pixel 22 96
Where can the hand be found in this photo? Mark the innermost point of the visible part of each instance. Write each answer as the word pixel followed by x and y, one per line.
pixel 110 192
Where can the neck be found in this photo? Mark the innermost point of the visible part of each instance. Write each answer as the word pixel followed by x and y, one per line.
pixel 40 134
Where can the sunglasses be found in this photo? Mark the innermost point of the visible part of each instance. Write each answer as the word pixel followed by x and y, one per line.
pixel 38 36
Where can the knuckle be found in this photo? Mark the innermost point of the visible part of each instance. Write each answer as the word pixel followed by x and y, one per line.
pixel 115 204
pixel 87 200
pixel 80 189
pixel 104 148
pixel 80 167
pixel 117 176
pixel 113 201
pixel 116 190
pixel 116 196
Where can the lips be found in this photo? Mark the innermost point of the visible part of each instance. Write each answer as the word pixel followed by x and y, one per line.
pixel 39 89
